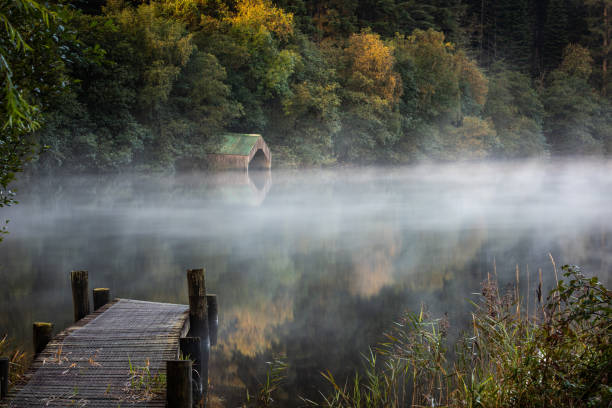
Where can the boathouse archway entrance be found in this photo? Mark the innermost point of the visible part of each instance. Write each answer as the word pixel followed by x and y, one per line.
pixel 259 161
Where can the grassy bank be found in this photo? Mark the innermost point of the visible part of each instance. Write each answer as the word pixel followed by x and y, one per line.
pixel 556 354
pixel 19 360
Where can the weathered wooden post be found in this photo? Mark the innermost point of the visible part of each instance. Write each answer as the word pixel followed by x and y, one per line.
pixel 198 309
pixel 191 348
pixel 178 382
pixel 204 372
pixel 101 296
pixel 41 334
pixel 4 376
pixel 80 294
pixel 198 320
pixel 213 318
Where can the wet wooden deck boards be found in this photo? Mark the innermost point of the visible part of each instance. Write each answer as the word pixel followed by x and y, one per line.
pixel 87 365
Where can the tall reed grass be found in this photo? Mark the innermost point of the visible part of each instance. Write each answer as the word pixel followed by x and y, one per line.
pixel 555 353
pixel 558 355
pixel 19 360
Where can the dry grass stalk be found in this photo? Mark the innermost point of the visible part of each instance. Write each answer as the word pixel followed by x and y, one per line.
pixel 19 361
pixel 510 359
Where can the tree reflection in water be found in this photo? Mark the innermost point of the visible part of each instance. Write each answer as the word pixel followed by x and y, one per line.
pixel 315 264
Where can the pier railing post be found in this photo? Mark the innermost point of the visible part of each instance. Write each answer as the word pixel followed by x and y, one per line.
pixel 191 348
pixel 178 382
pixel 41 335
pixel 101 296
pixel 198 320
pixel 4 376
pixel 213 318
pixel 80 294
pixel 198 309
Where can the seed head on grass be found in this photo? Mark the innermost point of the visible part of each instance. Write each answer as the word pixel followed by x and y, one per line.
pixel 559 356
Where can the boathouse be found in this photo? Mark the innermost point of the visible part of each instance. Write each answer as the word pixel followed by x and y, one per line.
pixel 241 151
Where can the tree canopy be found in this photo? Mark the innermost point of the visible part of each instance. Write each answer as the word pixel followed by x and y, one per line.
pixel 151 85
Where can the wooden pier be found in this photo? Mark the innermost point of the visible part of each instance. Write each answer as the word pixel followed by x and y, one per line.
pixel 120 355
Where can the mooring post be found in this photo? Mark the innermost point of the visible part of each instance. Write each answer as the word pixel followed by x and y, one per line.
pixel 101 296
pixel 42 333
pixel 178 383
pixel 4 376
pixel 80 294
pixel 213 318
pixel 191 349
pixel 198 310
pixel 204 373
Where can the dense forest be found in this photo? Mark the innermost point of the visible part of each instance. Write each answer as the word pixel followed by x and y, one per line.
pixel 150 84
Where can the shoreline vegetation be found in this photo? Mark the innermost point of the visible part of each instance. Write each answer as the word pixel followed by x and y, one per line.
pixel 522 350
pixel 119 85
pixel 558 354
pixel 116 85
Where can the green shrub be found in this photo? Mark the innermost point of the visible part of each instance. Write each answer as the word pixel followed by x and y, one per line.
pixel 559 355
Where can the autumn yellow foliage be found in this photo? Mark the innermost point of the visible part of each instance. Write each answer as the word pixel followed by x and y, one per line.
pixel 577 61
pixel 262 14
pixel 474 139
pixel 370 67
pixel 470 73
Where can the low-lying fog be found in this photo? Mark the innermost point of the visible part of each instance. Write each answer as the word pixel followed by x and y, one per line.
pixel 313 263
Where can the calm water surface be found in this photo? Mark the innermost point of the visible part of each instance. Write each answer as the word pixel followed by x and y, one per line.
pixel 310 264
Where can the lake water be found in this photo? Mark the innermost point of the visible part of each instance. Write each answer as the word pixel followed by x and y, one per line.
pixel 311 264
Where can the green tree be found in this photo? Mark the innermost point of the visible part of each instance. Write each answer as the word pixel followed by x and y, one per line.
pixel 435 73
pixel 441 86
pixel 197 110
pixel 145 96
pixel 370 93
pixel 475 138
pixel 98 128
pixel 252 44
pixel 517 112
pixel 555 34
pixel 388 17
pixel 501 31
pixel 19 115
pixel 600 25
pixel 308 118
pixel 577 118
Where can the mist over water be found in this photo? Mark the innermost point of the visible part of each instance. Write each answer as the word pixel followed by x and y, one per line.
pixel 314 263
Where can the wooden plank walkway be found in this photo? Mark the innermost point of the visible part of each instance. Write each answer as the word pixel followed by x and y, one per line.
pixel 88 364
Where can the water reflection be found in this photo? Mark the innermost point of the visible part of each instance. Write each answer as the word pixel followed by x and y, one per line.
pixel 315 265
